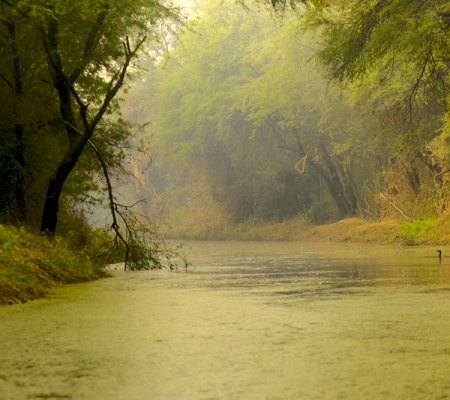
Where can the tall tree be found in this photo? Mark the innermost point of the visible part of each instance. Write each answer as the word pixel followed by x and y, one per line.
pixel 89 47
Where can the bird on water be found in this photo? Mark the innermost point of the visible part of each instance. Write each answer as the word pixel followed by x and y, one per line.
pixel 440 254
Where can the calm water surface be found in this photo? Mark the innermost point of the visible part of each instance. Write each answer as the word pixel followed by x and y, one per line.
pixel 248 321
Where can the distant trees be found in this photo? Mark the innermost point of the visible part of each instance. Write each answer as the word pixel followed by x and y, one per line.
pixel 201 118
pixel 339 107
pixel 291 95
pixel 243 99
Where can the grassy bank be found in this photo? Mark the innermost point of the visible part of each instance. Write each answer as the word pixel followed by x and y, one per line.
pixel 296 229
pixel 31 265
pixel 356 230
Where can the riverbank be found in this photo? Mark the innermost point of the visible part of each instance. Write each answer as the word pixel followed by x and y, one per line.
pixel 355 230
pixel 31 265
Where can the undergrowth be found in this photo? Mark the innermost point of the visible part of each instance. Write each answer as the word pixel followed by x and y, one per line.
pixel 30 265
pixel 416 231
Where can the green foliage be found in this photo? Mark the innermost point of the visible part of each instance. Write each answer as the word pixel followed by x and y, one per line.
pixel 90 45
pixel 393 56
pixel 242 102
pixel 411 233
pixel 60 65
pixel 369 35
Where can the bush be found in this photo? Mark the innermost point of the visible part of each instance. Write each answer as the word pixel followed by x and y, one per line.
pixel 411 233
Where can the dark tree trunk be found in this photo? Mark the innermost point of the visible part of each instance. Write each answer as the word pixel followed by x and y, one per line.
pixel 338 180
pixel 51 206
pixel 18 204
pixel 56 182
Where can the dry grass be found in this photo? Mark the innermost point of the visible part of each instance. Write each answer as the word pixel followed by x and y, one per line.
pixel 355 230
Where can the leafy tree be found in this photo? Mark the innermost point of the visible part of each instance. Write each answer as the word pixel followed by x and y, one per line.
pixel 61 68
pixel 395 54
pixel 309 119
pixel 88 78
pixel 84 50
pixel 392 55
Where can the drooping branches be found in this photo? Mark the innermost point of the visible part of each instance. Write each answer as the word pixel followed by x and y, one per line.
pixel 141 248
pixel 69 96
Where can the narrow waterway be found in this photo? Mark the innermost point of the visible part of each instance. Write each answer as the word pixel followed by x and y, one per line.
pixel 247 321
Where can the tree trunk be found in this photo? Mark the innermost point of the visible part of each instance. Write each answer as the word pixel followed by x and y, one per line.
pixel 51 206
pixel 338 180
pixel 18 204
pixel 56 182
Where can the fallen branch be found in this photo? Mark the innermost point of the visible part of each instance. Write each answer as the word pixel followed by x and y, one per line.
pixel 393 205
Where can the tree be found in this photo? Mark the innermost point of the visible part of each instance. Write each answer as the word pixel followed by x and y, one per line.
pixel 89 48
pixel 17 55
pixel 101 39
pixel 392 56
pixel 395 55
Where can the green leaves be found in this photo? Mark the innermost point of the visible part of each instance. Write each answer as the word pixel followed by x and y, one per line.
pixel 399 40
pixel 242 98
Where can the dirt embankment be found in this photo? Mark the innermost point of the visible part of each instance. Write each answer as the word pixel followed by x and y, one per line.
pixel 352 230
pixel 357 230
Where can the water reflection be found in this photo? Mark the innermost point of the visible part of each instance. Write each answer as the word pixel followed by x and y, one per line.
pixel 308 272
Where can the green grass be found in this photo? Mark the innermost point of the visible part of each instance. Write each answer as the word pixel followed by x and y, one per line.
pixel 31 265
pixel 415 232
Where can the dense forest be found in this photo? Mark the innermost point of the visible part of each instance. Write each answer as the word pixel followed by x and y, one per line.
pixel 63 66
pixel 323 110
pixel 249 111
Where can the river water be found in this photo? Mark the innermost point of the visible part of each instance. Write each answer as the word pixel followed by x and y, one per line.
pixel 247 321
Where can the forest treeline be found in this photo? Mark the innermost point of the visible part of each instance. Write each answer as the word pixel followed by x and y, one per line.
pixel 255 110
pixel 325 109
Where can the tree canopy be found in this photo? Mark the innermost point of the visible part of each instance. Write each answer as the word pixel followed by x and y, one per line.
pixel 339 107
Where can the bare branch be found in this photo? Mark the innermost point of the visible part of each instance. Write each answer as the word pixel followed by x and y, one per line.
pixel 393 205
pixel 4 79
pixel 112 204
pixel 114 85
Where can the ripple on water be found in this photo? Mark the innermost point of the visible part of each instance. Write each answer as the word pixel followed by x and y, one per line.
pixel 249 321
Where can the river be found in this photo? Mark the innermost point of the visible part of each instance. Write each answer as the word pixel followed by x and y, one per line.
pixel 249 320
